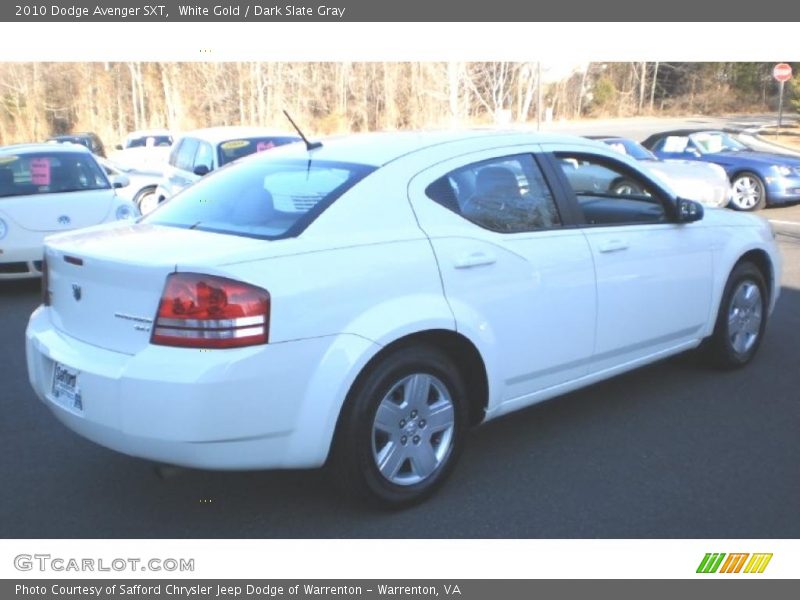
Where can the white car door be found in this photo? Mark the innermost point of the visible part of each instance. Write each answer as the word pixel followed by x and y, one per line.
pixel 654 275
pixel 519 279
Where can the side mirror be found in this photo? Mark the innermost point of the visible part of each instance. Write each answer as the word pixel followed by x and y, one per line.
pixel 118 147
pixel 201 170
pixel 120 181
pixel 689 211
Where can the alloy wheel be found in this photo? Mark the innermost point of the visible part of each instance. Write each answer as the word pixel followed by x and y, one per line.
pixel 413 429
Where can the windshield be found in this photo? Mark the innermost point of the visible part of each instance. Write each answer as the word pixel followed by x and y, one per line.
pixel 262 199
pixel 149 141
pixel 233 149
pixel 50 173
pixel 631 148
pixel 716 141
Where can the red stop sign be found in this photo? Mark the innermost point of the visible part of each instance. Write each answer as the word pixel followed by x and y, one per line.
pixel 782 72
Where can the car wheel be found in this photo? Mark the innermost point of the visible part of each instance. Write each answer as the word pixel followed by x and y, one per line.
pixel 401 429
pixel 742 318
pixel 625 187
pixel 748 192
pixel 146 200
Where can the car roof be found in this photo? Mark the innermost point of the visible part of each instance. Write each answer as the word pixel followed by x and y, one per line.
pixel 609 138
pixel 381 148
pixel 214 135
pixel 43 147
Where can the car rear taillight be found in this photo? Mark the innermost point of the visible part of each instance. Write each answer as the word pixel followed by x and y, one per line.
pixel 205 311
pixel 45 284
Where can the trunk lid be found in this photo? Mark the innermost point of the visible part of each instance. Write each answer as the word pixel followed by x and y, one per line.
pixel 106 282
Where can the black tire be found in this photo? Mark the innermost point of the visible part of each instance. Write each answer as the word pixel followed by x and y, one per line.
pixel 625 187
pixel 354 458
pixel 743 201
pixel 720 348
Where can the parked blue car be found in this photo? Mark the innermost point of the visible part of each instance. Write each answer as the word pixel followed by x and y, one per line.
pixel 757 178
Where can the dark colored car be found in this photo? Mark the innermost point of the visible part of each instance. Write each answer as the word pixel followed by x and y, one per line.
pixel 90 140
pixel 757 178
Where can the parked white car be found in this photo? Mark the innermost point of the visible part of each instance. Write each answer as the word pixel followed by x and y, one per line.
pixel 705 182
pixel 147 138
pixel 144 150
pixel 199 152
pixel 50 188
pixel 141 183
pixel 405 287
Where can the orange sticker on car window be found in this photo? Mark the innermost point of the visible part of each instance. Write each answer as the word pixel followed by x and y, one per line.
pixel 234 144
pixel 261 146
pixel 40 171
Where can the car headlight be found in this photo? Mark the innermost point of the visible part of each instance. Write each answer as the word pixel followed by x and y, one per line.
pixel 124 213
pixel 3 229
pixel 783 170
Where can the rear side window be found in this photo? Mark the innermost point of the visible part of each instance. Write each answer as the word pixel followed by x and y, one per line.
pixel 266 199
pixel 233 149
pixel 506 195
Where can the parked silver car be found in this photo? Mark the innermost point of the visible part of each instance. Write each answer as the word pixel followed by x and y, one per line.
pixel 705 182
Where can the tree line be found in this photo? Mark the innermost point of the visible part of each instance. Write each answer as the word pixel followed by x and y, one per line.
pixel 42 99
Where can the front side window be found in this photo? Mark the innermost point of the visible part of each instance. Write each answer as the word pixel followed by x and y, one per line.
pixel 50 173
pixel 609 193
pixel 506 195
pixel 185 157
pixel 261 199
pixel 204 156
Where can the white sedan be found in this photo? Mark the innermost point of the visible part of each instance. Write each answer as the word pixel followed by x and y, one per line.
pixel 362 303
pixel 50 188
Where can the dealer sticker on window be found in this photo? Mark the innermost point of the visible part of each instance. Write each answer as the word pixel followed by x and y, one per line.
pixel 65 388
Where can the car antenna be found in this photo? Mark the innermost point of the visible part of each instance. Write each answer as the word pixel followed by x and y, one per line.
pixel 309 145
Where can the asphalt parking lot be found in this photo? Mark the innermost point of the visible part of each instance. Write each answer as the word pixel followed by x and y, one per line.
pixel 672 450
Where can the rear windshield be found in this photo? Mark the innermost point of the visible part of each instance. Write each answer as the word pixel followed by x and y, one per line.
pixel 233 149
pixel 266 199
pixel 50 173
pixel 149 141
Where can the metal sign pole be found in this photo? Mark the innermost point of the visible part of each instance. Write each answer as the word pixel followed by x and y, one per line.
pixel 780 109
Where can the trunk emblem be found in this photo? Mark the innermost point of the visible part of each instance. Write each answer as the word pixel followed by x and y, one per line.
pixel 77 292
pixel 64 220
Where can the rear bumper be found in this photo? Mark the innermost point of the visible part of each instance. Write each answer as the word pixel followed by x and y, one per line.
pixel 272 406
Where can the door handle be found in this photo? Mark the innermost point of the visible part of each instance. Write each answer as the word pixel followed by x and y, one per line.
pixel 475 259
pixel 614 245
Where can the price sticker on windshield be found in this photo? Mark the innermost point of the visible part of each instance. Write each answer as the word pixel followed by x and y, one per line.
pixel 40 171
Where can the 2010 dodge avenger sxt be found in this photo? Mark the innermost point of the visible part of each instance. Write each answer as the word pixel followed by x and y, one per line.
pixel 363 302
